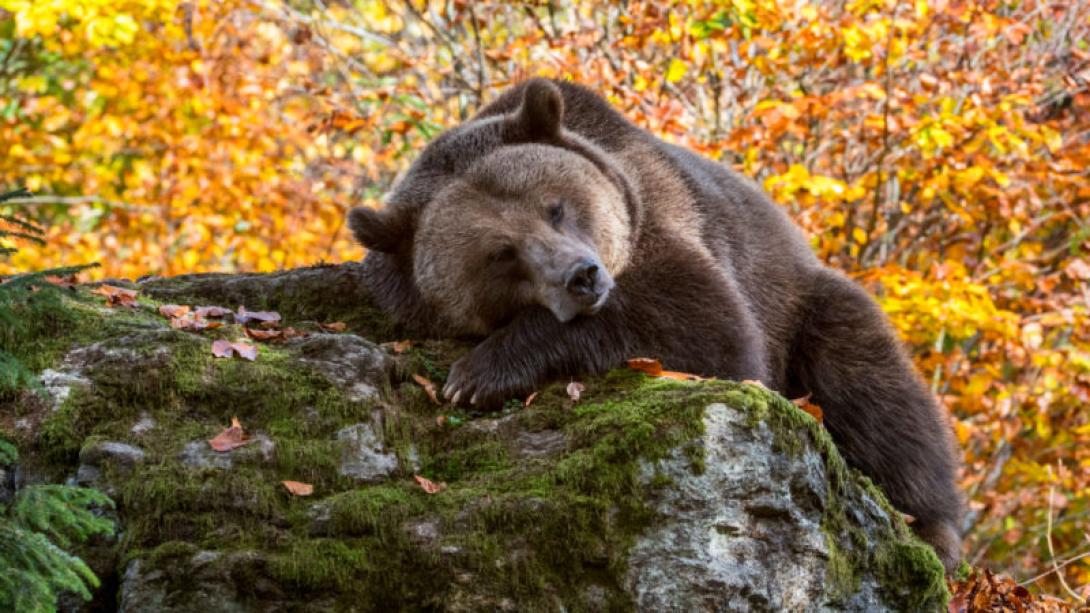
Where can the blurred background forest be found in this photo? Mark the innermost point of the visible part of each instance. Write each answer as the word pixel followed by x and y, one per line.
pixel 937 149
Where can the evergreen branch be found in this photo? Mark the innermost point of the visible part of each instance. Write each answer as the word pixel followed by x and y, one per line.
pixel 22 223
pixel 22 192
pixel 62 512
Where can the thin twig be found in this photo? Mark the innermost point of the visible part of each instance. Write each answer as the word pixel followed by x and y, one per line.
pixel 74 201
pixel 1051 551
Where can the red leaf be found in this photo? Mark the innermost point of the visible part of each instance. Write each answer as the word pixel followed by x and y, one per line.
pixel 230 438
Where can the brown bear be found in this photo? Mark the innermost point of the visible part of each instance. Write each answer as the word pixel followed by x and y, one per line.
pixel 571 240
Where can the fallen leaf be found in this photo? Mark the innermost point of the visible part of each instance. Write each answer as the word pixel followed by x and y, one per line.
pixel 909 519
pixel 173 311
pixel 264 335
pixel 222 348
pixel 645 365
pixel 654 368
pixel 66 282
pixel 530 399
pixel 430 486
pixel 811 408
pixel 429 387
pixel 337 326
pixel 245 351
pixel 402 346
pixel 212 311
pixel 193 323
pixel 244 317
pixel 225 349
pixel 230 438
pixel 116 296
pixel 298 488
pixel 754 382
pixel 575 390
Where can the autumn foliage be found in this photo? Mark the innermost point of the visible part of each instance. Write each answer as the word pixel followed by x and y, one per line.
pixel 937 150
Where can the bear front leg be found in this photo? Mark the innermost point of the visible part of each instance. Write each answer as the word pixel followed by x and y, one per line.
pixel 677 308
pixel 528 352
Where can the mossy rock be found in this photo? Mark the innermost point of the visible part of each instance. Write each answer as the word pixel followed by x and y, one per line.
pixel 644 494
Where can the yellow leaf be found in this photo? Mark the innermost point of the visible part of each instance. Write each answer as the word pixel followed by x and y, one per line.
pixel 675 71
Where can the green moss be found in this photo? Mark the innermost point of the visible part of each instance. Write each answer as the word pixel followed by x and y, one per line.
pixel 321 565
pixel 906 570
pixel 536 530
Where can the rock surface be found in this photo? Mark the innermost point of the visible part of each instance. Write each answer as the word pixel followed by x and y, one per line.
pixel 645 495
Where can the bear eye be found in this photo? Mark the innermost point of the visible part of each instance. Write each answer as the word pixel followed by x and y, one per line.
pixel 504 254
pixel 556 214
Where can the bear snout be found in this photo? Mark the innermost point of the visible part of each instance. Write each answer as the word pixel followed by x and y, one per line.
pixel 589 283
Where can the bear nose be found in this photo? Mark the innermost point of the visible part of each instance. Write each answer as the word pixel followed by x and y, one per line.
pixel 582 278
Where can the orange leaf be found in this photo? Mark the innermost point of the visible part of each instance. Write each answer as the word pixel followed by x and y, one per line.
pixel 116 296
pixel 429 387
pixel 337 326
pixel 530 399
pixel 298 488
pixel 811 408
pixel 653 367
pixel 649 366
pixel 402 346
pixel 230 438
pixel 65 282
pixel 430 486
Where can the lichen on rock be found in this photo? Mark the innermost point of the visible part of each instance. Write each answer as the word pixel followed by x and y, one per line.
pixel 645 494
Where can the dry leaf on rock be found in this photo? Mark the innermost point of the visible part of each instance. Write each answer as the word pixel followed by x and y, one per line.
pixel 264 318
pixel 212 311
pixel 654 368
pixel 811 408
pixel 66 282
pixel 230 438
pixel 193 323
pixel 298 488
pixel 430 486
pixel 225 349
pixel 116 296
pixel 337 326
pixel 429 387
pixel 172 311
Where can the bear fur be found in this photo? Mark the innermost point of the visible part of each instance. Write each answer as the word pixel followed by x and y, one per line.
pixel 571 240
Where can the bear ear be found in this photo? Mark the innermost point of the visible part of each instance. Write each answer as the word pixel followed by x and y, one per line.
pixel 383 230
pixel 541 112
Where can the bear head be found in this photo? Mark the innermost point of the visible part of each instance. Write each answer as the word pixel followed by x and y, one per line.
pixel 505 213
